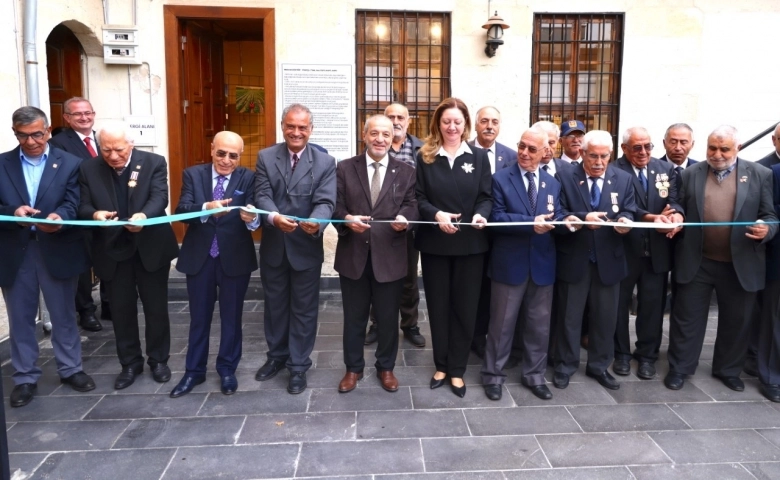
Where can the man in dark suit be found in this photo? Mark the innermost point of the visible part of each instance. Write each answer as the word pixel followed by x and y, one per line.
pixel 522 267
pixel 591 259
pixel 774 157
pixel 648 253
pixel 124 183
pixel 37 180
pixel 549 163
pixel 218 256
pixel 678 142
pixel 371 257
pixel 730 260
pixel 768 363
pixel 79 140
pixel 572 134
pixel 404 148
pixel 295 181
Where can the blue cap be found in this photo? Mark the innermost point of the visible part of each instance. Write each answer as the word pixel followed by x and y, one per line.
pixel 572 126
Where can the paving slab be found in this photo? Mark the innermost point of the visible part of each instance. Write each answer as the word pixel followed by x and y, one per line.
pixel 764 470
pixel 254 403
pixel 331 400
pixel 360 458
pixel 411 424
pixel 145 406
pixel 116 464
pixel 597 473
pixel 733 471
pixel 177 432
pixel 656 392
pixel 298 427
pixel 626 418
pixel 22 465
pixel 482 453
pixel 52 409
pixel 443 397
pixel 711 416
pixel 520 421
pixel 577 393
pixel 711 446
pixel 601 449
pixel 65 436
pixel 234 462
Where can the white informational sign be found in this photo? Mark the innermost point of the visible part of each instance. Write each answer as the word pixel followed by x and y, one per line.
pixel 143 129
pixel 327 90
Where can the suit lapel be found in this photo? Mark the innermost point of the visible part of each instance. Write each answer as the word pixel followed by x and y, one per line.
pixel 641 196
pixel 742 187
pixel 699 181
pixel 13 166
pixel 362 174
pixel 582 181
pixel 50 170
pixel 515 176
pixel 207 182
pixel 107 175
pixel 283 162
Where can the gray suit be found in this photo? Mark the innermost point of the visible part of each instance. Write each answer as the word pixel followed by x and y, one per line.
pixel 291 263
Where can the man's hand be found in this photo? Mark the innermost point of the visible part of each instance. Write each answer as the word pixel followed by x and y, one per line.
pixel 284 224
pixel 136 217
pixel 572 223
pixel 445 221
pixel 623 230
pixel 668 211
pixel 310 227
pixel 541 225
pixel 46 228
pixel 400 224
pixel 215 204
pixel 25 211
pixel 479 220
pixel 356 223
pixel 595 217
pixel 103 216
pixel 757 231
pixel 247 217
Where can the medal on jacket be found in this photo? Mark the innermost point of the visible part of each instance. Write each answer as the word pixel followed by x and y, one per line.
pixel 614 198
pixel 550 202
pixel 133 179
pixel 662 184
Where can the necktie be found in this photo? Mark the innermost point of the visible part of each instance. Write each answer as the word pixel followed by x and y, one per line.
pixel 375 183
pixel 295 159
pixel 678 170
pixel 642 178
pixel 120 170
pixel 721 174
pixel 595 193
pixel 219 194
pixel 574 163
pixel 88 143
pixel 545 168
pixel 531 191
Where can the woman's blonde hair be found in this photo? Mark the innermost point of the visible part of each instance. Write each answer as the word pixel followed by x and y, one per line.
pixel 434 141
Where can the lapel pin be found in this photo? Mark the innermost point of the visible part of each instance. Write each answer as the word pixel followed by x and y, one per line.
pixel 609 182
pixel 743 179
pixel 652 172
pixel 53 165
pixel 392 171
pixel 581 182
pixel 500 159
pixel 137 167
pixel 544 185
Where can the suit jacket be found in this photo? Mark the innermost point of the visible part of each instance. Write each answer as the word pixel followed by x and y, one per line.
pixel 773 246
pixel 64 252
pixel 518 251
pixel 454 190
pixel 769 160
pixel 690 161
pixel 753 202
pixel 505 156
pixel 310 192
pixel 608 244
pixel 386 247
pixel 69 141
pixel 560 165
pixel 155 244
pixel 236 247
pixel 641 240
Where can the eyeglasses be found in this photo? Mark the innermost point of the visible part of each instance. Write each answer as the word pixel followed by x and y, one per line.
pixel 596 156
pixel 22 137
pixel 80 114
pixel 222 154
pixel 522 146
pixel 638 148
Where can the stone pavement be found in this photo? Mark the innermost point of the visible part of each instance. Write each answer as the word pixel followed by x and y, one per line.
pixel 641 431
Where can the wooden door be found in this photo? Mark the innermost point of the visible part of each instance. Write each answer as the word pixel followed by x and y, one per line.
pixel 63 64
pixel 204 95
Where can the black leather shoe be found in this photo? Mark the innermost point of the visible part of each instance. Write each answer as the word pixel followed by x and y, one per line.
pixel 80 382
pixel 297 383
pixel 646 370
pixel 372 335
pixel 185 385
pixel 229 384
pixel 459 391
pixel 621 367
pixel 751 367
pixel 734 383
pixel 771 392
pixel 90 323
pixel 22 394
pixel 161 373
pixel 438 383
pixel 414 336
pixel 493 391
pixel 541 391
pixel 674 381
pixel 560 380
pixel 605 379
pixel 127 377
pixel 269 370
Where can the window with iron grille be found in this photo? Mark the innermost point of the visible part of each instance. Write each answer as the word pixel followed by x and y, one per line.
pixel 577 62
pixel 402 57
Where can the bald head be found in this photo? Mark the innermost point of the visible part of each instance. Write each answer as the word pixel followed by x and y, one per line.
pixel 226 152
pixel 776 139
pixel 531 148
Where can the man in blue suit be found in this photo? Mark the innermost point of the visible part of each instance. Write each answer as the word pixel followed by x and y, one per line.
pixel 291 179
pixel 522 267
pixel 591 259
pixel 37 180
pixel 218 256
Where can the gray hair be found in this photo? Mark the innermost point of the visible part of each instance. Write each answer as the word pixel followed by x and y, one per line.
pixel 548 127
pixel 630 131
pixel 27 115
pixel 297 107
pixel 70 101
pixel 727 131
pixel 116 128
pixel 375 117
pixel 684 126
pixel 401 105
pixel 597 138
pixel 479 112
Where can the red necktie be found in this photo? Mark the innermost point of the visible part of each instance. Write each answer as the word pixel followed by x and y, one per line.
pixel 88 142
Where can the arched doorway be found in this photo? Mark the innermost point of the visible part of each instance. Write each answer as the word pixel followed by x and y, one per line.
pixel 64 56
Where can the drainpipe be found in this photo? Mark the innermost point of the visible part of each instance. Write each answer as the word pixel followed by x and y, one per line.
pixel 30 54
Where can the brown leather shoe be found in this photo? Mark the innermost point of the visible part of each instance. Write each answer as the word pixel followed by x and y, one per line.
pixel 349 382
pixel 388 380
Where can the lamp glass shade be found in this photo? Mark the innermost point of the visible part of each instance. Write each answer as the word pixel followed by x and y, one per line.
pixel 495 32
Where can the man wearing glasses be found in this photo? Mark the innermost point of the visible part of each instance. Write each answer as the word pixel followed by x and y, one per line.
pixel 218 255
pixel 79 140
pixel 572 133
pixel 40 181
pixel 648 253
pixel 292 182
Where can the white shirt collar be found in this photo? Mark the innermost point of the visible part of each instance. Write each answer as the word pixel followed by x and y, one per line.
pixel 463 148
pixel 566 158
pixel 82 136
pixel 491 148
pixel 215 175
pixel 383 162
